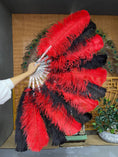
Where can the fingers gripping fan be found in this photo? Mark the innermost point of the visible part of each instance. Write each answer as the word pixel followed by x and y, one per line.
pixel 66 85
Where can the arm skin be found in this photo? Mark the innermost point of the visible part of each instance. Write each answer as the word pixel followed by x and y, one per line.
pixel 31 69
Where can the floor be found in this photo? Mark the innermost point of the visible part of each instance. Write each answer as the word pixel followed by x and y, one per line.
pixel 90 151
pixel 92 147
pixel 91 140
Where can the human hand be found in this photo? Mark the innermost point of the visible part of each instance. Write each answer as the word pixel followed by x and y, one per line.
pixel 32 68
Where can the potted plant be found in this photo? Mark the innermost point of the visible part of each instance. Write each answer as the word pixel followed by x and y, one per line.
pixel 106 121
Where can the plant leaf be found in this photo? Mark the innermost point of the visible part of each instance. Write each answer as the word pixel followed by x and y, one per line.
pixel 112 131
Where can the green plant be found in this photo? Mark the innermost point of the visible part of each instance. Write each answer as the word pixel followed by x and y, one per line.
pixel 107 118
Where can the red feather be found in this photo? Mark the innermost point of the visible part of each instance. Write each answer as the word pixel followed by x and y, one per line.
pixel 84 52
pixel 57 36
pixel 33 125
pixel 76 80
pixel 58 116
pixel 80 103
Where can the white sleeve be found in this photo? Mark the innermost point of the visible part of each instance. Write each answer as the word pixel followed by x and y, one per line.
pixel 5 90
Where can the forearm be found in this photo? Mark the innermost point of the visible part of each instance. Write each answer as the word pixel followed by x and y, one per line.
pixel 19 78
pixel 31 69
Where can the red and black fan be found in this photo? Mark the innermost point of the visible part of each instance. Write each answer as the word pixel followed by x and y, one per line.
pixel 66 86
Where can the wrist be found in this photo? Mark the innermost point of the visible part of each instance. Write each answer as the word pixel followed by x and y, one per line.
pixel 28 73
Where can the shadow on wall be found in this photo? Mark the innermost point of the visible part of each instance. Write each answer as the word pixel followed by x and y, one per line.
pixel 6 71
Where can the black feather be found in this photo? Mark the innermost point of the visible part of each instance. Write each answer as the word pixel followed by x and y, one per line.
pixel 57 136
pixel 86 34
pixel 59 100
pixel 97 61
pixel 96 91
pixel 20 138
